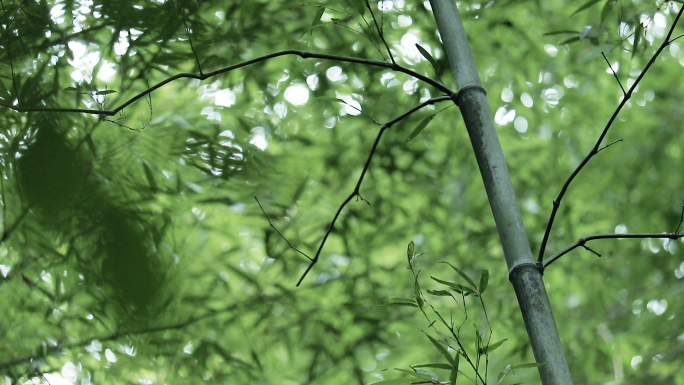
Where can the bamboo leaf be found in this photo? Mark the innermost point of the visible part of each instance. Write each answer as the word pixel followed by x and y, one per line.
pixel 420 376
pixel 420 127
pixel 484 280
pixel 528 366
pixel 317 16
pixel 105 92
pixel 560 33
pixel 607 8
pixel 453 377
pixel 503 373
pixel 359 6
pixel 416 292
pixel 464 276
pixel 454 372
pixel 403 304
pixel 586 5
pixel 570 40
pixel 494 346
pixel 427 56
pixel 150 177
pixel 444 351
pixel 436 366
pixel 396 381
pixel 411 249
pixel 637 38
pixel 452 285
pixel 439 293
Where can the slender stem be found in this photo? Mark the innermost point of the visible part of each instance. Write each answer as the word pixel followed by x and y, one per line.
pixel 379 29
pixel 302 54
pixel 614 74
pixel 581 242
pixel 278 231
pixel 596 148
pixel 366 166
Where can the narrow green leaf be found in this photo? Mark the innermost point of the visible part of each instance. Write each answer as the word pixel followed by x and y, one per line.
pixel 436 366
pixel 71 89
pixel 452 285
pixel 503 373
pixel 454 373
pixel 637 38
pixel 464 275
pixel 427 56
pixel 420 376
pixel 359 6
pixel 105 92
pixel 420 127
pixel 484 280
pixel 453 377
pixel 401 299
pixel 445 352
pixel 403 304
pixel 416 292
pixel 433 376
pixel 528 366
pixel 396 381
pixel 440 293
pixel 409 252
pixel 560 33
pixel 586 5
pixel 317 16
pixel 607 8
pixel 494 346
pixel 150 177
pixel 570 40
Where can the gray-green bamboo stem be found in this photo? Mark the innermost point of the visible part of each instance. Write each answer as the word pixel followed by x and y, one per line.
pixel 523 272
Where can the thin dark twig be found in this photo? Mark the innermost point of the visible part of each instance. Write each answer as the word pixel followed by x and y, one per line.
pixel 302 54
pixel 614 74
pixel 592 250
pixel 595 149
pixel 582 241
pixel 608 145
pixel 278 231
pixel 192 46
pixel 366 166
pixel 382 35
pixel 368 33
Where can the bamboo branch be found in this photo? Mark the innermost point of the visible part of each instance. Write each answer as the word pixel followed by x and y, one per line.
pixel 204 76
pixel 597 147
pixel 357 190
pixel 581 242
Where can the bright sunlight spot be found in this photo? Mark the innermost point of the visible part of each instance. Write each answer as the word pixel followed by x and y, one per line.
pixel 259 138
pixel 503 116
pixel 526 100
pixel 298 94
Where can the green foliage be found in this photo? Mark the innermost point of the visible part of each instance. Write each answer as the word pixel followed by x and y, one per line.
pixel 133 249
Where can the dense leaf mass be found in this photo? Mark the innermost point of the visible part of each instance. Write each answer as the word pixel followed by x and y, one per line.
pixel 133 250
